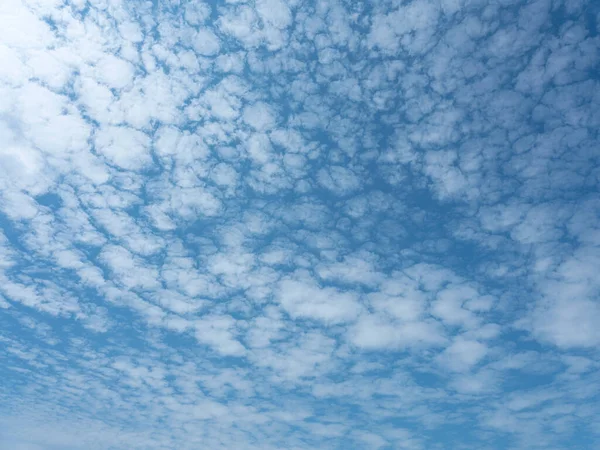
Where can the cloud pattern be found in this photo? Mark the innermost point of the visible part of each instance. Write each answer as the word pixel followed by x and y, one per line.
pixel 292 225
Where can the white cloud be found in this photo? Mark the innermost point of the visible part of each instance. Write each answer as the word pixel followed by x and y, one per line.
pixel 206 43
pixel 274 12
pixel 339 180
pixel 115 72
pixel 217 331
pixel 21 28
pixel 50 121
pixel 568 322
pixel 408 306
pixel 20 164
pixel 13 70
pixel 378 333
pixel 462 354
pixel 259 116
pixel 125 147
pixel 449 306
pixel 303 298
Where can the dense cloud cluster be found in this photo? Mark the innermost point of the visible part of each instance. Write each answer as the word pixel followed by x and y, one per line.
pixel 272 224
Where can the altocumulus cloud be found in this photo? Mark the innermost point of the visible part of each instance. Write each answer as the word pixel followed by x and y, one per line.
pixel 295 225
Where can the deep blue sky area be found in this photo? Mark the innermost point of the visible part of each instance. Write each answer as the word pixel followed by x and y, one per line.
pixel 269 224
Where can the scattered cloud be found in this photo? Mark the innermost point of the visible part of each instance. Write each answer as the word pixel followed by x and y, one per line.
pixel 284 224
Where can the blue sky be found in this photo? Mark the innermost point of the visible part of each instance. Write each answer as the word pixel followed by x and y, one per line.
pixel 299 225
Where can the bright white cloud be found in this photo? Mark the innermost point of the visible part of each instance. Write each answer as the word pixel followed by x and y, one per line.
pixel 125 147
pixel 305 299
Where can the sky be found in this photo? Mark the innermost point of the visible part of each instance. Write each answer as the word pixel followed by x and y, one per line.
pixel 272 224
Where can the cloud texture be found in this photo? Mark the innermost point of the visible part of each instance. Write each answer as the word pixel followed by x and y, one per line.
pixel 294 225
